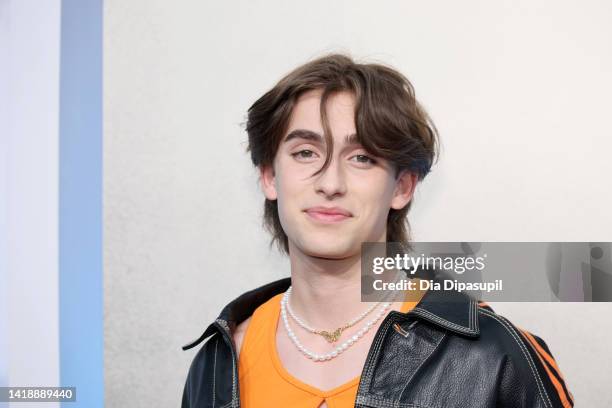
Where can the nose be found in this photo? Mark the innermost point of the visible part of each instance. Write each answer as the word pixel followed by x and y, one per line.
pixel 331 181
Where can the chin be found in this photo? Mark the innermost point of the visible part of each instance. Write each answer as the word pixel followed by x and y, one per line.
pixel 330 249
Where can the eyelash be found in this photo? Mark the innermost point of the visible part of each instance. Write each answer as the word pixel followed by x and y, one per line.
pixel 296 154
pixel 370 160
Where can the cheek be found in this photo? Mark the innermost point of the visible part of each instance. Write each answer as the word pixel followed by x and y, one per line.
pixel 375 200
pixel 293 179
pixel 289 191
pixel 284 180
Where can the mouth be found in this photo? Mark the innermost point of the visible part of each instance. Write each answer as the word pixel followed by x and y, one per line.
pixel 328 214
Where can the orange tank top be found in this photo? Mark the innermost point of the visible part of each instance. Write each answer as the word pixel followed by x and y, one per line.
pixel 264 382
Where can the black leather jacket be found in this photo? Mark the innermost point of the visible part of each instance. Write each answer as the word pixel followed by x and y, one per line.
pixel 449 351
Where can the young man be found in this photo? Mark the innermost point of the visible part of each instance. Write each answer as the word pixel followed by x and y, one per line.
pixel 340 147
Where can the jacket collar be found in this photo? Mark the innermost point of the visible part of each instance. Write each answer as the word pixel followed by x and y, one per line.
pixel 450 310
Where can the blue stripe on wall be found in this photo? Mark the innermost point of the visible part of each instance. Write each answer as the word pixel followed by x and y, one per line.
pixel 80 212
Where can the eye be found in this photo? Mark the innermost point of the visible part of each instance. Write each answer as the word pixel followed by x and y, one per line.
pixel 304 154
pixel 363 159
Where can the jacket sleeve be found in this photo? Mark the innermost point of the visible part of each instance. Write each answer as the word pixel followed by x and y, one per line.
pixel 532 378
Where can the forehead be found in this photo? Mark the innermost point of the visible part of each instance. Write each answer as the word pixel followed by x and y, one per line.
pixel 340 109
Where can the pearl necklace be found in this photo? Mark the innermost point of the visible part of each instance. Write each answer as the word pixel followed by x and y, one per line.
pixel 337 350
pixel 330 336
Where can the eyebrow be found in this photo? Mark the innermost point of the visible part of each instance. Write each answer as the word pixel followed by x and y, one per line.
pixel 305 134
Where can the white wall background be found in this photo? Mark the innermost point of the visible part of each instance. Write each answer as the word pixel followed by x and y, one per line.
pixel 519 90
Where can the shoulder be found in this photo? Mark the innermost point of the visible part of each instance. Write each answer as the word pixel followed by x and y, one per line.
pixel 216 352
pixel 253 328
pixel 527 359
pixel 239 334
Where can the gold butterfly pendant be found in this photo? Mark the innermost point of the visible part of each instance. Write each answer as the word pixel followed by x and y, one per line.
pixel 333 336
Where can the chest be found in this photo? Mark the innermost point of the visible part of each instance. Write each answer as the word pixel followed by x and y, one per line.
pixel 324 375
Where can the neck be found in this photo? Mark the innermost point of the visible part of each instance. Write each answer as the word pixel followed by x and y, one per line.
pixel 326 292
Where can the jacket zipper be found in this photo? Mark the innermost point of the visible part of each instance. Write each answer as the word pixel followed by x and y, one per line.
pixel 225 332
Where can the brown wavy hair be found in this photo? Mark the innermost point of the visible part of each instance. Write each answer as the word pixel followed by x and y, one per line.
pixel 390 123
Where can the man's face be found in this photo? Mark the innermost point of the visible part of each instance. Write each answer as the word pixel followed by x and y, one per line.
pixel 330 214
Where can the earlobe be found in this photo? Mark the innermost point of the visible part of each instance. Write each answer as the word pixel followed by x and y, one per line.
pixel 268 182
pixel 404 190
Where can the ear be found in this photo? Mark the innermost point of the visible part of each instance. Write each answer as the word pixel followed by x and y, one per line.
pixel 404 190
pixel 268 181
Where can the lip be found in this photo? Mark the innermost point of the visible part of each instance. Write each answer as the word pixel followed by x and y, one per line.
pixel 328 214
